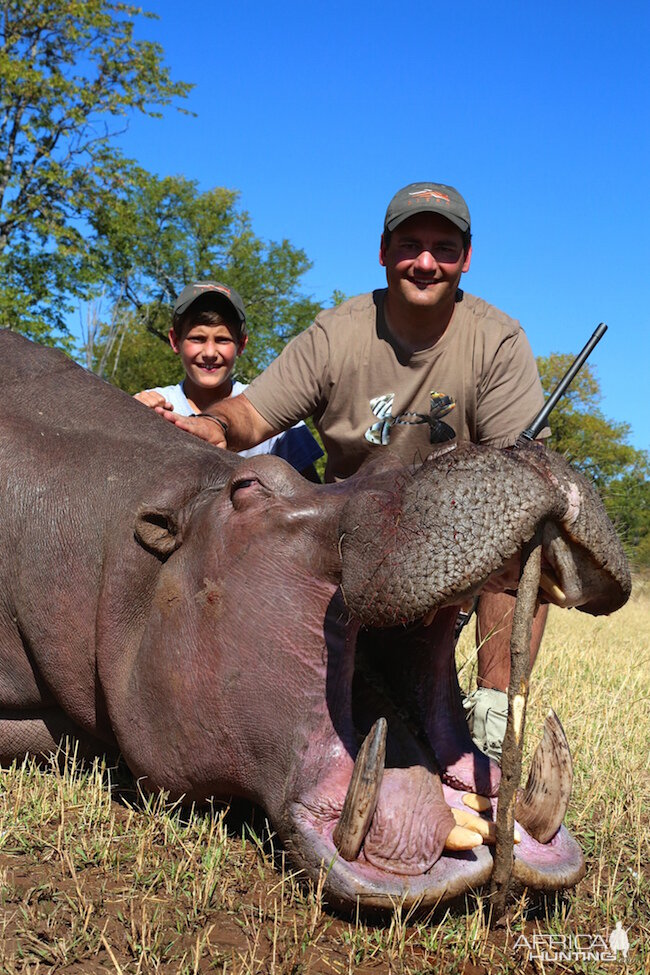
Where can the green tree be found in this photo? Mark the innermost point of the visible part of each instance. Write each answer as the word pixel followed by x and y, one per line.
pixel 595 445
pixel 123 351
pixel 628 504
pixel 598 447
pixel 160 235
pixel 71 73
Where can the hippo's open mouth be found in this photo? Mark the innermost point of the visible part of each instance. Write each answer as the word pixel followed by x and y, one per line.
pixel 407 821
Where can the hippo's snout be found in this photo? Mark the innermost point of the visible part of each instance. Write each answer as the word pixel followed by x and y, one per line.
pixel 456 526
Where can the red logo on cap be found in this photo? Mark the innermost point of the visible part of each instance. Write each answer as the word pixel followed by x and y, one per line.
pixel 213 287
pixel 427 195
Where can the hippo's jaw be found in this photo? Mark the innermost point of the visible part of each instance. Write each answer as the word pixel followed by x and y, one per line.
pixel 398 850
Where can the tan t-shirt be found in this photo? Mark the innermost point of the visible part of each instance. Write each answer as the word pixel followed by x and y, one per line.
pixel 348 358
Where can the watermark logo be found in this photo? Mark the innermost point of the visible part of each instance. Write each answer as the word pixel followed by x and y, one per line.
pixel 575 947
pixel 618 940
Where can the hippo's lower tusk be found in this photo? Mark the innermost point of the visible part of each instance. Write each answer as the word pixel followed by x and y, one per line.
pixel 542 805
pixel 363 792
pixel 484 827
pixel 549 584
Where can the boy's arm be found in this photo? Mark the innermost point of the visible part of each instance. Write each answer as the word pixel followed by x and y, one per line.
pixel 234 424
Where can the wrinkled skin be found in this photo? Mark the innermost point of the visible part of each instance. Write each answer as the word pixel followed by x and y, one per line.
pixel 187 607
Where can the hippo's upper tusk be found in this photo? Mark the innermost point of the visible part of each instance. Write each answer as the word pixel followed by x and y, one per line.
pixel 542 805
pixel 363 792
pixel 549 584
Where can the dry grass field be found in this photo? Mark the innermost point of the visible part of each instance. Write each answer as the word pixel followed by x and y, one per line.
pixel 93 878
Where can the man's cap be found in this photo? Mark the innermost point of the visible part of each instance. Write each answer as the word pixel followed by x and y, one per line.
pixel 197 289
pixel 427 198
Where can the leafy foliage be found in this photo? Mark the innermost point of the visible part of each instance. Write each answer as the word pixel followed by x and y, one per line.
pixel 70 75
pixel 580 430
pixel 628 505
pixel 598 447
pixel 164 233
pixel 128 355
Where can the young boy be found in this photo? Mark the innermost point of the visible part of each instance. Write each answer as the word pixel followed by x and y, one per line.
pixel 209 333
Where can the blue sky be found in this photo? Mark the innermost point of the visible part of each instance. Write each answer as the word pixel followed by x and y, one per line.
pixel 538 113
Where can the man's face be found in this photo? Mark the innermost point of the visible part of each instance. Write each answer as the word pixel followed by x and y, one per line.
pixel 424 261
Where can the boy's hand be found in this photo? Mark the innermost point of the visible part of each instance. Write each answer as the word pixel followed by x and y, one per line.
pixel 152 399
pixel 201 426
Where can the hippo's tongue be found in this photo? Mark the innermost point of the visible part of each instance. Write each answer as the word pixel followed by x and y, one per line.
pixel 411 823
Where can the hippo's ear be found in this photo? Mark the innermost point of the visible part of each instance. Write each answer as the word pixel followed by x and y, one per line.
pixel 158 529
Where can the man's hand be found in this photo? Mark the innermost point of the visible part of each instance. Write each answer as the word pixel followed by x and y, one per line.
pixel 244 426
pixel 152 399
pixel 203 427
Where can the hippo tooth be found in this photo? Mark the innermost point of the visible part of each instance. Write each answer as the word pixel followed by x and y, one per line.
pixel 484 827
pixel 477 803
pixel 428 619
pixel 462 838
pixel 549 584
pixel 541 807
pixel 363 792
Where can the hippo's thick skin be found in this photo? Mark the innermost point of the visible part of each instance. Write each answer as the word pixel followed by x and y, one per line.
pixel 187 607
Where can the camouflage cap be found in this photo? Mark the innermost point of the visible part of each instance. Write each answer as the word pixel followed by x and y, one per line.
pixel 428 198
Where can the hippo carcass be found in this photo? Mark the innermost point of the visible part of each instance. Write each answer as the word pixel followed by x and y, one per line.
pixel 186 606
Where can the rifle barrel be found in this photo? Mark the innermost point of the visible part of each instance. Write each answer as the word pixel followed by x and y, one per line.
pixel 540 420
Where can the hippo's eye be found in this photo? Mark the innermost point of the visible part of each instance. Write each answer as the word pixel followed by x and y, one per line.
pixel 241 488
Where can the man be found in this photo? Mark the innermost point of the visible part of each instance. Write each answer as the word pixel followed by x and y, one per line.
pixel 385 368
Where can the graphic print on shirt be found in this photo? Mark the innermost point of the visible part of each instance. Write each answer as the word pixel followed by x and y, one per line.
pixel 382 406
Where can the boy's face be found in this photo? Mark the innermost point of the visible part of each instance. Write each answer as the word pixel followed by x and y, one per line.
pixel 208 353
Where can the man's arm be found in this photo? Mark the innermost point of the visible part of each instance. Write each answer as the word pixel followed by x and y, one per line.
pixel 493 630
pixel 234 425
pixel 510 393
